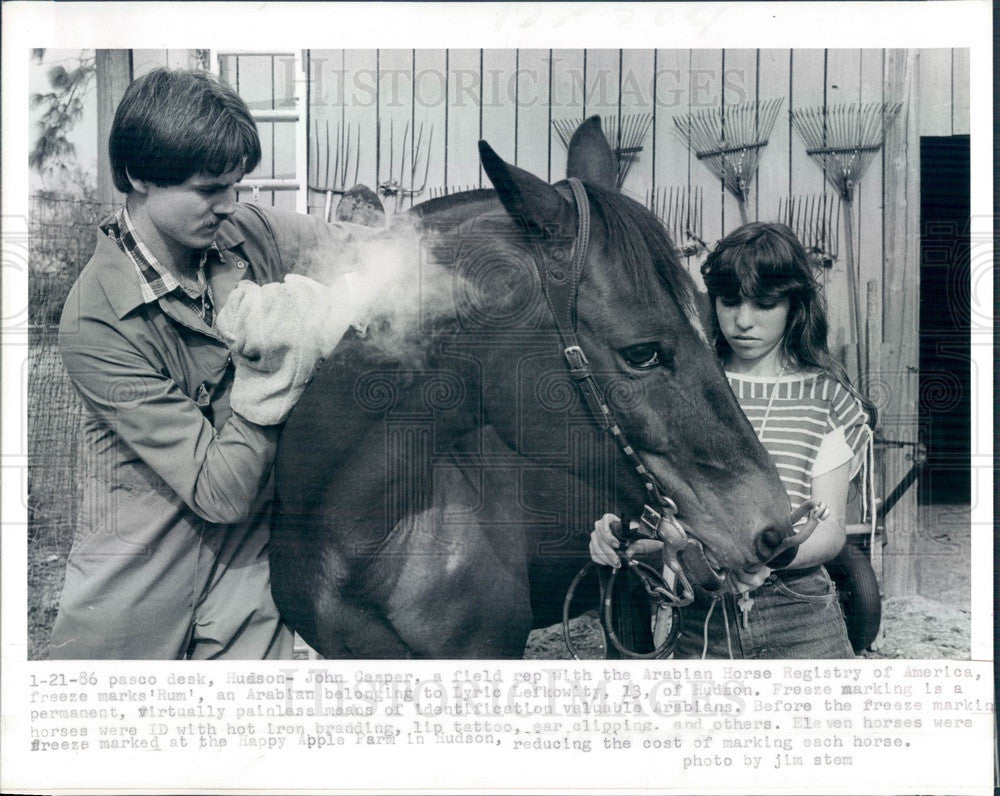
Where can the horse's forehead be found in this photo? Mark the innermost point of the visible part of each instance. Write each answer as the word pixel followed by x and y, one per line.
pixel 608 288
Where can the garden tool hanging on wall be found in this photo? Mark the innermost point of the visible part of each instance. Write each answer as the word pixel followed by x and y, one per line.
pixel 341 156
pixel 404 175
pixel 843 140
pixel 815 220
pixel 729 141
pixel 682 211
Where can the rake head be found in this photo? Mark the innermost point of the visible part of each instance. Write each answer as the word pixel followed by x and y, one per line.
pixel 626 139
pixel 682 212
pixel 729 140
pixel 815 220
pixel 843 139
pixel 404 174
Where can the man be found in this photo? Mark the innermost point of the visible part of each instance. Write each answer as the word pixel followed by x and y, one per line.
pixel 170 556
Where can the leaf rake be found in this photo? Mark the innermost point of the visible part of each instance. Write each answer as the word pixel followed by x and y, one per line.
pixel 729 141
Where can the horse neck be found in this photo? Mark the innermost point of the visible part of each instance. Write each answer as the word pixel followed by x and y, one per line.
pixel 432 367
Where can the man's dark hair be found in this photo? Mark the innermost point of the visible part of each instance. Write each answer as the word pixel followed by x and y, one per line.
pixel 172 124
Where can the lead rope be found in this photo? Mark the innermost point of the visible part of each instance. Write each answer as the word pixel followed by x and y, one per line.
pixel 704 630
pixel 770 404
pixel 745 602
pixel 725 622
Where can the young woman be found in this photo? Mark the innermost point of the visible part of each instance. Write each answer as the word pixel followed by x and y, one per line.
pixel 770 330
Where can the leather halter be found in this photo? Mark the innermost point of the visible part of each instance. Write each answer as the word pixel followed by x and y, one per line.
pixel 560 283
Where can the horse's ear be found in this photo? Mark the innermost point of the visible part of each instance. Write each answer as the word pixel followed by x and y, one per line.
pixel 529 200
pixel 591 158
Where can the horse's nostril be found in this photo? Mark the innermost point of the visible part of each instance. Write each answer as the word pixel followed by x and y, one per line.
pixel 767 542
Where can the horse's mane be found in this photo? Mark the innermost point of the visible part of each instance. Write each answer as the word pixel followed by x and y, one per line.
pixel 445 212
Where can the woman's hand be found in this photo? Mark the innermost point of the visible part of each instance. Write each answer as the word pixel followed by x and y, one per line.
pixel 816 515
pixel 604 544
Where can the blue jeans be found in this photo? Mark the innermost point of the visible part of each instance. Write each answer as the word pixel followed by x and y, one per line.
pixel 795 614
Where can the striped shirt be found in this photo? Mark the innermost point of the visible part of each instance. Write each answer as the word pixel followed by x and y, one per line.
pixel 811 424
pixel 155 281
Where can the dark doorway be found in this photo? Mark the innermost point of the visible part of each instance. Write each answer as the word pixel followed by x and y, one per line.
pixel 945 317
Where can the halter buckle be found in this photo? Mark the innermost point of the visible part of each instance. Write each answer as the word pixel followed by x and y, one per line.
pixel 650 520
pixel 579 366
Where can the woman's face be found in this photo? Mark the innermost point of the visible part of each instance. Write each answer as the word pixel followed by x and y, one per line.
pixel 753 327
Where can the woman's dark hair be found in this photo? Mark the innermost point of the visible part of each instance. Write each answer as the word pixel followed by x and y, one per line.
pixel 766 261
pixel 172 124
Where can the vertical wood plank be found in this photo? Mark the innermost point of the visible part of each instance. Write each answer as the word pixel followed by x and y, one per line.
pixel 672 163
pixel 869 196
pixel 739 86
pixel 326 106
pixel 960 124
pixel 772 174
pixel 499 108
pixel 636 94
pixel 178 59
pixel 705 93
pixel 145 61
pixel 601 90
pixel 671 156
pixel 806 92
pixel 900 345
pixel 464 91
pixel 568 102
pixel 533 108
pixel 806 178
pixel 352 101
pixel 603 71
pixel 430 108
pixel 843 87
pixel 396 142
pixel 113 73
pixel 934 79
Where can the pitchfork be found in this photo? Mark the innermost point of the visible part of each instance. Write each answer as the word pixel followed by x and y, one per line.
pixel 342 161
pixel 448 190
pixel 402 183
pixel 682 212
pixel 815 220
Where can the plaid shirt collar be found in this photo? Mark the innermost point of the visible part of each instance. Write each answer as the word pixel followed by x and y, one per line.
pixel 155 281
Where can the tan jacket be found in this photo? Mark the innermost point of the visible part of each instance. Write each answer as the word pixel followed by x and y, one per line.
pixel 170 476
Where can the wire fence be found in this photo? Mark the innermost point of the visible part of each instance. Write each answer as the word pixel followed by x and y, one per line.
pixel 62 235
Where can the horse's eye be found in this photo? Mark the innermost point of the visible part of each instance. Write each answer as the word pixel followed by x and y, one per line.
pixel 643 356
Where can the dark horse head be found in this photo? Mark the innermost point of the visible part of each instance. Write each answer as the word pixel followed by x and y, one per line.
pixel 436 501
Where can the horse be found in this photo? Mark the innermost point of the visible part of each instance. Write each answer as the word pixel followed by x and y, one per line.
pixel 436 501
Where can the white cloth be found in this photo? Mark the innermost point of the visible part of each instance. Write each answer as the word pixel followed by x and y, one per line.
pixel 833 452
pixel 278 333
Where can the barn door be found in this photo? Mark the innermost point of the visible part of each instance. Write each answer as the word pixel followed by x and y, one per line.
pixel 945 315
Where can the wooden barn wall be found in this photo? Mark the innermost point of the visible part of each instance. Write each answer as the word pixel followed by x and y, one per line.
pixel 448 99
pixel 511 97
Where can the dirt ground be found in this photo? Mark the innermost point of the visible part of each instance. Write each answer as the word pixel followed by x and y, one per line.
pixel 934 623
